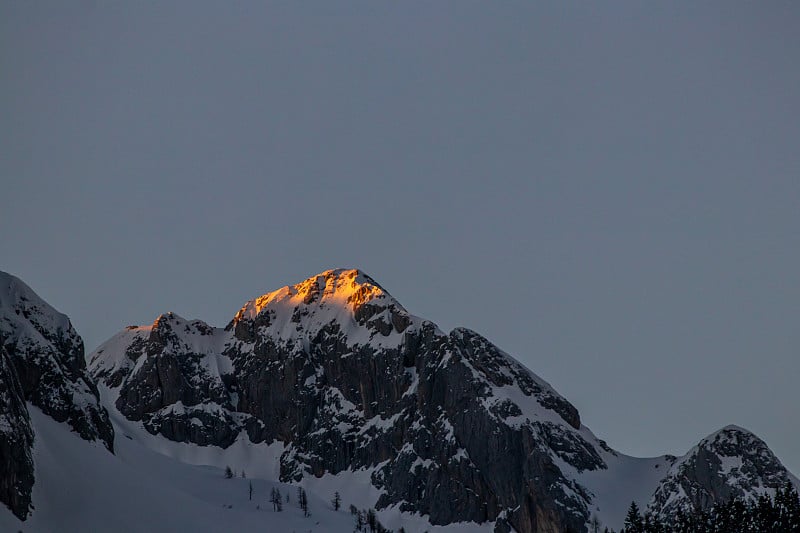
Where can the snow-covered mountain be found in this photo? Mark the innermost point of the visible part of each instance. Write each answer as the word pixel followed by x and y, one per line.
pixel 42 363
pixel 730 463
pixel 331 384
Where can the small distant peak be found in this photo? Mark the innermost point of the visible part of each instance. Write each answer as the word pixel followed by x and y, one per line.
pixel 732 437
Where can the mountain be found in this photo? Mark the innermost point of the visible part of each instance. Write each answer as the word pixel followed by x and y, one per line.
pixel 730 463
pixel 41 363
pixel 346 379
pixel 331 385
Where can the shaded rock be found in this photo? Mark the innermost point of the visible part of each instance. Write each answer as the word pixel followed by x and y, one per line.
pixel 16 442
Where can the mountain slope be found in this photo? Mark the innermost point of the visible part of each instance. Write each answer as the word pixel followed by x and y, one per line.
pixel 41 363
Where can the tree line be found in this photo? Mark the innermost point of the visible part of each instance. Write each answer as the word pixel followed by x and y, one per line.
pixel 778 514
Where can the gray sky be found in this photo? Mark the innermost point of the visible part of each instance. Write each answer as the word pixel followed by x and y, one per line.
pixel 608 191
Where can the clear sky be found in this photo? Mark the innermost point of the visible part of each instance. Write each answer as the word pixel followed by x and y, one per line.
pixel 609 191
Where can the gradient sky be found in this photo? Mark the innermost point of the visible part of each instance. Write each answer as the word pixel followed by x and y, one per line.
pixel 608 191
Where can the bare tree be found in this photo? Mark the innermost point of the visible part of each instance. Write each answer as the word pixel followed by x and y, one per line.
pixel 304 502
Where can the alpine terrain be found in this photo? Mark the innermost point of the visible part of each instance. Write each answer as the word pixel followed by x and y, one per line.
pixel 329 386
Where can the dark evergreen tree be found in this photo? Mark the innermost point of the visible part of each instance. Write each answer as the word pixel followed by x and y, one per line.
pixel 633 520
pixel 778 514
pixel 228 472
pixel 337 501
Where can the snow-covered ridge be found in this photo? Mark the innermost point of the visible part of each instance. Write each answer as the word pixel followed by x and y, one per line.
pixel 23 314
pixel 336 374
pixel 48 358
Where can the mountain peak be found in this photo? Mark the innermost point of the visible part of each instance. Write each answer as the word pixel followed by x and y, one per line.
pixel 731 462
pixel 731 438
pixel 19 301
pixel 336 287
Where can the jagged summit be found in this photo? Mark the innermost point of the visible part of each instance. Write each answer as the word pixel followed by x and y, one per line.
pixel 346 298
pixel 336 288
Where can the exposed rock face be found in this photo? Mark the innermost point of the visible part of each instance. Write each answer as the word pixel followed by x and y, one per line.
pixel 729 463
pixel 41 362
pixel 16 442
pixel 48 357
pixel 341 374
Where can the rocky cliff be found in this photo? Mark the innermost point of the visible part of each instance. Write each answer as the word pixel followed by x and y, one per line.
pixel 41 363
pixel 16 441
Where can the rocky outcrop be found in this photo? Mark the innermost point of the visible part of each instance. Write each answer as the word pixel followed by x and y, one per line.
pixel 16 442
pixel 48 357
pixel 730 463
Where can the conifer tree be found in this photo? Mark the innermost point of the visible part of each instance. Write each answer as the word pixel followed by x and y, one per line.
pixel 337 501
pixel 633 520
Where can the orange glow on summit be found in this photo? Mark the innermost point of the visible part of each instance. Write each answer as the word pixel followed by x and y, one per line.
pixel 342 288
